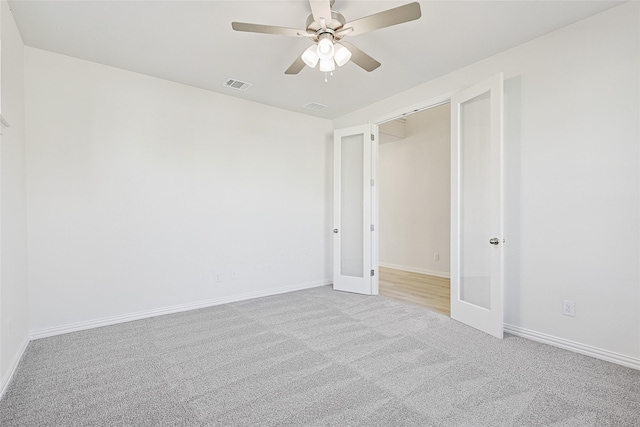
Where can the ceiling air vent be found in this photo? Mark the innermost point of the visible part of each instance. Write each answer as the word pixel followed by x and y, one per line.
pixel 314 106
pixel 237 84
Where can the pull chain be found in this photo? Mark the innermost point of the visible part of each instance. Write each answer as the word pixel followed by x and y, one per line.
pixel 327 75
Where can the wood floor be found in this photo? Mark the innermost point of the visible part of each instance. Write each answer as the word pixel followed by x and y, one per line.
pixel 418 289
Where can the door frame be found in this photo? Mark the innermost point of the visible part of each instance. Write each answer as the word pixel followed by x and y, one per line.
pixel 398 114
pixel 420 106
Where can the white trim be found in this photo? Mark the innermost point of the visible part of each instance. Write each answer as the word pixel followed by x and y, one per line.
pixel 113 320
pixel 14 366
pixel 436 273
pixel 587 350
pixel 424 105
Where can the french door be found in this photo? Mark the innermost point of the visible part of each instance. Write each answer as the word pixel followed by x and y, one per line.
pixel 477 238
pixel 353 210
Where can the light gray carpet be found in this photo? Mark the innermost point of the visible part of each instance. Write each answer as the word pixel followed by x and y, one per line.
pixel 314 357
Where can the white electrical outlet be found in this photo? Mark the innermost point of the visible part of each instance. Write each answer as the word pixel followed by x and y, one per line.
pixel 234 275
pixel 568 308
pixel 436 256
pixel 216 277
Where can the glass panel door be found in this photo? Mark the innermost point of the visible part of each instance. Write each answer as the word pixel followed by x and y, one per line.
pixel 352 217
pixel 476 207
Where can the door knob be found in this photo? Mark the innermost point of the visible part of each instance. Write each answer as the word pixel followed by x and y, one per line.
pixel 335 230
pixel 494 241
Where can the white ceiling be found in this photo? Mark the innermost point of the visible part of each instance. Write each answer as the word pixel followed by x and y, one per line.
pixel 192 42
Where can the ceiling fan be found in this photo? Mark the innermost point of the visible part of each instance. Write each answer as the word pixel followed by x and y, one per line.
pixel 326 28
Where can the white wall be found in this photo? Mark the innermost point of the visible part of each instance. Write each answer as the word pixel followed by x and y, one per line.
pixel 572 162
pixel 145 194
pixel 14 327
pixel 414 192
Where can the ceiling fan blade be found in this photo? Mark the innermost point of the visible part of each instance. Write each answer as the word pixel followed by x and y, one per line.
pixel 397 15
pixel 268 29
pixel 360 58
pixel 321 9
pixel 296 67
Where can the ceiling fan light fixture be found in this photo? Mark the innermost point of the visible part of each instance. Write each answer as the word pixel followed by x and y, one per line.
pixel 326 27
pixel 327 65
pixel 310 57
pixel 325 46
pixel 341 55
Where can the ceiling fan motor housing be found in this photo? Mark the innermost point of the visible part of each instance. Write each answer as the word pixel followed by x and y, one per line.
pixel 336 23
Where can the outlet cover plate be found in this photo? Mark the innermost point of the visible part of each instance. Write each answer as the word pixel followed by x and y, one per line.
pixel 568 308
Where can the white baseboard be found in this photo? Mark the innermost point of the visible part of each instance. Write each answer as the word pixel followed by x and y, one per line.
pixel 14 365
pixel 436 273
pixel 587 350
pixel 113 320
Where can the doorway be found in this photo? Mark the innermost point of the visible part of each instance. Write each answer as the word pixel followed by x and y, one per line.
pixel 414 188
pixel 477 204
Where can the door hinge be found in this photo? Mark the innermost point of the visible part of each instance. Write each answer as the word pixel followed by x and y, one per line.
pixel 373 138
pixel 372 273
pixel 372 227
pixel 372 182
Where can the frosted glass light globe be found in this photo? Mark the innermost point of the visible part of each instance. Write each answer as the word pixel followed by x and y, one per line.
pixel 325 47
pixel 310 57
pixel 327 65
pixel 342 54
